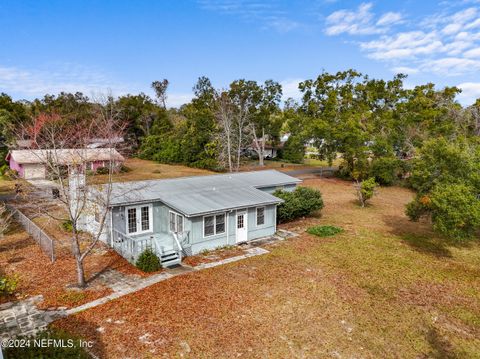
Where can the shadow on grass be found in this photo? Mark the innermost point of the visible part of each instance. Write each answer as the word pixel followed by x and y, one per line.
pixel 420 236
pixel 428 245
pixel 440 347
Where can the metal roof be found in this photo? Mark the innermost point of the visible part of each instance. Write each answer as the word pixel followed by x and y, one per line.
pixel 64 155
pixel 204 194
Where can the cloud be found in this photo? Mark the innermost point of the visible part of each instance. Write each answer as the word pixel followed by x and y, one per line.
pixel 360 21
pixel 30 83
pixel 470 92
pixel 445 43
pixel 390 18
pixel 290 88
pixel 405 70
pixel 452 66
pixel 475 53
pixel 178 99
pixel 269 15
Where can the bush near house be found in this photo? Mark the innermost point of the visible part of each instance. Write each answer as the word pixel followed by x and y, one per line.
pixel 148 261
pixel 324 231
pixel 102 171
pixel 302 202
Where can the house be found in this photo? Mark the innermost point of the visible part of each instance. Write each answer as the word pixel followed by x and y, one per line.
pixel 185 216
pixel 32 164
pixel 104 142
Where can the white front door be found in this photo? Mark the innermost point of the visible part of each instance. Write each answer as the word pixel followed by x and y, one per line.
pixel 242 227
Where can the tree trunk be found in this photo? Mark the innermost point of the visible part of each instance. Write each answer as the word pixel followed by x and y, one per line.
pixel 229 153
pixel 262 149
pixel 80 273
pixel 78 261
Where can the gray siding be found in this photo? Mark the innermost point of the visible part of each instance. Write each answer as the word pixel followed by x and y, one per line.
pixel 199 242
pixel 196 242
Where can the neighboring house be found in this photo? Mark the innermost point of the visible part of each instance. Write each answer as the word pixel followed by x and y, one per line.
pixel 185 216
pixel 270 151
pixel 32 164
pixel 104 142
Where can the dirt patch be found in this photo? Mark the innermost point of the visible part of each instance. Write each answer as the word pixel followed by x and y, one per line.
pixel 213 256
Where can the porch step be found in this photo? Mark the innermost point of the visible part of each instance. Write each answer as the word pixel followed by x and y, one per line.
pixel 170 258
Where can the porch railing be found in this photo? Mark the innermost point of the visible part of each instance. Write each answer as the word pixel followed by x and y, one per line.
pixel 129 247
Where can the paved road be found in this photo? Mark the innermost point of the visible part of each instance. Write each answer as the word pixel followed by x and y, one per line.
pixel 314 170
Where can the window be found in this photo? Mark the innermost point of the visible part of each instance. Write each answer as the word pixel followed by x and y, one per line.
pixel 213 225
pixel 132 220
pixel 139 219
pixel 260 216
pixel 209 226
pixel 176 222
pixel 240 221
pixel 220 223
pixel 145 218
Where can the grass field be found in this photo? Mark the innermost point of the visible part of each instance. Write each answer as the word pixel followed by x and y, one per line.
pixel 6 186
pixel 383 288
pixel 145 170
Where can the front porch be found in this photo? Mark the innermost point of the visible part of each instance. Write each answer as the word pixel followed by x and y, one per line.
pixel 168 247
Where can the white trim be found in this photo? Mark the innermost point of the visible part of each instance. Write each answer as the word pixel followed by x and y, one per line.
pixel 275 219
pixel 176 227
pixel 264 216
pixel 243 213
pixel 138 219
pixel 214 215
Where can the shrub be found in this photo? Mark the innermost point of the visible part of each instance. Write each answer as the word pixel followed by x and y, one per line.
pixel 386 170
pixel 4 168
pixel 366 190
pixel 67 225
pixel 324 231
pixel 124 169
pixel 102 171
pixel 294 150
pixel 454 210
pixel 148 261
pixel 8 284
pixel 300 203
pixel 48 351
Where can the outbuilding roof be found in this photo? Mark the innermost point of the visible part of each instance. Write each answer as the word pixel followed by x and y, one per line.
pixel 199 195
pixel 64 156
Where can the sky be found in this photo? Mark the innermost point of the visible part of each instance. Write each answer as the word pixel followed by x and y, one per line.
pixel 119 47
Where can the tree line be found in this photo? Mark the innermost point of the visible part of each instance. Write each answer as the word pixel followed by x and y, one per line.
pixel 375 128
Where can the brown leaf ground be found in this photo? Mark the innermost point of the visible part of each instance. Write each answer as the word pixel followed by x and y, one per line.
pixel 384 288
pixel 21 256
pixel 213 256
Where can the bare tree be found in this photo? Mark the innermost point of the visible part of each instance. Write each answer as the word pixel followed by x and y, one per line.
pixel 225 119
pixel 5 219
pixel 160 88
pixel 62 147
